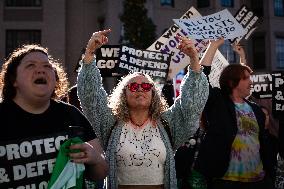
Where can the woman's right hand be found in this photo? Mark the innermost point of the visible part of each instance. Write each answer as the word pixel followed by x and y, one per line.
pixel 98 39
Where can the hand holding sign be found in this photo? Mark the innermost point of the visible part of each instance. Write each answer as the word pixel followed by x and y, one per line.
pixel 96 41
pixel 211 51
pixel 187 47
pixel 217 43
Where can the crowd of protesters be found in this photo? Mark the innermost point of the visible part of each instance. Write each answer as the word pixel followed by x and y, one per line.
pixel 130 136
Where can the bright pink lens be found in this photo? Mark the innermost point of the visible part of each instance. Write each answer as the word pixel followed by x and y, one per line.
pixel 133 87
pixel 146 86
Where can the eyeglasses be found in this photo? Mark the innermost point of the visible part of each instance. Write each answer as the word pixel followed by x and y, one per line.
pixel 133 87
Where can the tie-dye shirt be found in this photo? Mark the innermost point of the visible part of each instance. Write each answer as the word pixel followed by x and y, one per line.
pixel 245 164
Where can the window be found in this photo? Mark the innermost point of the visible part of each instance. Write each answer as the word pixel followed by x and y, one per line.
pixel 203 3
pixel 227 51
pixel 167 2
pixel 23 3
pixel 227 3
pixel 257 7
pixel 280 52
pixel 278 7
pixel 258 45
pixel 16 38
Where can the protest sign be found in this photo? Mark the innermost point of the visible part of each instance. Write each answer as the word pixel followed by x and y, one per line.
pixel 247 19
pixel 218 64
pixel 168 42
pixel 278 94
pixel 261 85
pixel 155 64
pixel 214 26
pixel 177 82
pixel 106 58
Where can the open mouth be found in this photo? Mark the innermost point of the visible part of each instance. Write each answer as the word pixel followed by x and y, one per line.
pixel 41 81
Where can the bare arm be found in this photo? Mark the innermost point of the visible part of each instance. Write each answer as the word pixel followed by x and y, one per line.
pixel 209 54
pixel 240 51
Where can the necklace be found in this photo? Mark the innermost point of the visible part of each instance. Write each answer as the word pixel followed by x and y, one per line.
pixel 138 125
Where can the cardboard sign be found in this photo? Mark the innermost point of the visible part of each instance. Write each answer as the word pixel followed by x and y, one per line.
pixel 106 58
pixel 153 63
pixel 248 20
pixel 214 26
pixel 168 42
pixel 278 94
pixel 261 85
pixel 218 64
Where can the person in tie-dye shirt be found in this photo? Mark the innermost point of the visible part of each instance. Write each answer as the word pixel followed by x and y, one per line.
pixel 234 153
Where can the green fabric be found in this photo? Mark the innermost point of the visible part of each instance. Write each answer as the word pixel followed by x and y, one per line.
pixel 63 159
pixel 197 181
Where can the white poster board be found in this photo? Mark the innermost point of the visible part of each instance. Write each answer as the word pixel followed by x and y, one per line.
pixel 214 26
pixel 219 63
pixel 168 42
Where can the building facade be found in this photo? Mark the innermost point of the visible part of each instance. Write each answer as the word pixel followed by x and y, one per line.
pixel 64 26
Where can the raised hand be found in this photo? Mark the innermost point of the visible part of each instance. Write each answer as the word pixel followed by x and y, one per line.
pixel 217 43
pixel 238 48
pixel 209 54
pixel 98 39
pixel 187 47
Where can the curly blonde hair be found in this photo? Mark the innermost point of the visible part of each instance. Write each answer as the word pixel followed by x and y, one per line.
pixel 8 73
pixel 118 104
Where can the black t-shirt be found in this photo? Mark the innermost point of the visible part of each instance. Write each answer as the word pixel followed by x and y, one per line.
pixel 29 143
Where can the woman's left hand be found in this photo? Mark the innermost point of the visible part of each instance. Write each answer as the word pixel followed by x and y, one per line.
pixel 86 155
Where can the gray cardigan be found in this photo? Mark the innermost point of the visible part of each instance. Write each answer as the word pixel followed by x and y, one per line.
pixel 182 116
